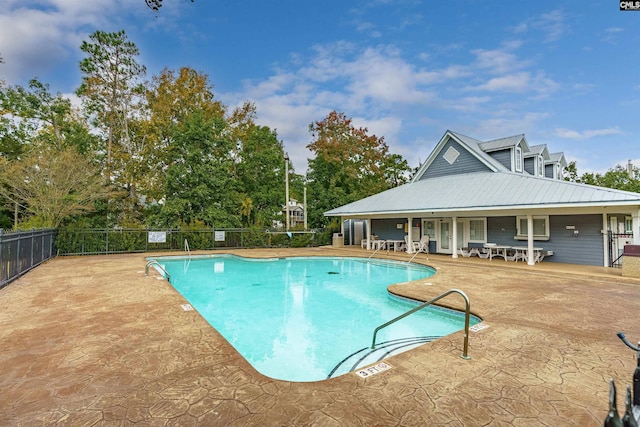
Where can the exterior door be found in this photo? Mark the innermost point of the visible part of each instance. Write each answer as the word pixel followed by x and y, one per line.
pixel 444 237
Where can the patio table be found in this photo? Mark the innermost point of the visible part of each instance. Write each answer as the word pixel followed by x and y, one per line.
pixel 521 252
pixel 497 250
pixel 395 243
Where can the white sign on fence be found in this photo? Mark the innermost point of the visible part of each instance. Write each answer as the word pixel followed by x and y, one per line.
pixel 219 236
pixel 157 237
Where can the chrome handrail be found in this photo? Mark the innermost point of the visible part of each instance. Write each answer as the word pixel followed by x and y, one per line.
pixel 467 314
pixel 156 264
pixel 186 247
pixel 374 252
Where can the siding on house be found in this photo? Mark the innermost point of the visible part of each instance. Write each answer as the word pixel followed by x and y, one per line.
pixel 388 228
pixel 465 163
pixel 502 156
pixel 501 230
pixel 587 248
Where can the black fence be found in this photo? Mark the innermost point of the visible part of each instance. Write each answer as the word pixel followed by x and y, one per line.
pixel 112 241
pixel 617 242
pixel 20 251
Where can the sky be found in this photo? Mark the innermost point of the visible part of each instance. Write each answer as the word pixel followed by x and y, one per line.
pixel 565 74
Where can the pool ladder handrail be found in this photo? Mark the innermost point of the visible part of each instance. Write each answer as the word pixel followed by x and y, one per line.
pixel 467 315
pixel 186 248
pixel 157 265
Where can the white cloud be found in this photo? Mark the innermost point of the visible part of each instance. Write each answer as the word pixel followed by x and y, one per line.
pixel 36 36
pixel 504 124
pixel 551 25
pixel 587 134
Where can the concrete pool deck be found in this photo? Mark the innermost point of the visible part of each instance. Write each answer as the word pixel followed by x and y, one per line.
pixel 91 340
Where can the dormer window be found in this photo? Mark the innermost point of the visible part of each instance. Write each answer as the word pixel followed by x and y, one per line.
pixel 518 159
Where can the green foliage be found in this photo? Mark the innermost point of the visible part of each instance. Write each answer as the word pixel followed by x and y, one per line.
pixel 199 184
pixel 617 177
pixel 349 165
pixel 255 238
pixel 260 176
pixel 51 185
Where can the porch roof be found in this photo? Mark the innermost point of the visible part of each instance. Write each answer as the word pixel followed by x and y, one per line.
pixel 485 191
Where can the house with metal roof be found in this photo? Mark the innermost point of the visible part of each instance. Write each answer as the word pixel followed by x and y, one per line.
pixel 470 193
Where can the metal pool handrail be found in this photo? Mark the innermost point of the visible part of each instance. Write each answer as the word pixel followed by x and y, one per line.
pixel 156 264
pixel 467 315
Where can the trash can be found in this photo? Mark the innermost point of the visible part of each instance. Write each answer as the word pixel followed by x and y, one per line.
pixel 631 261
pixel 338 240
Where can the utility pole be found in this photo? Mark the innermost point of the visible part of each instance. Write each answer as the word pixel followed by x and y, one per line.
pixel 286 186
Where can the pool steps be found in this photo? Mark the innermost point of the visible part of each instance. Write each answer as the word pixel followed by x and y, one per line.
pixel 366 356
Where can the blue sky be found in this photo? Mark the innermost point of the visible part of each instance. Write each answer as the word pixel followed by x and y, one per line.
pixel 566 74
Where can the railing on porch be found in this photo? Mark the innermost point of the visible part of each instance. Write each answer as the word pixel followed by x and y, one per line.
pixel 617 241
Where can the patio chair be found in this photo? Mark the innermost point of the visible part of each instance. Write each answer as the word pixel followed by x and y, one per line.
pixel 511 255
pixel 465 252
pixel 422 245
pixel 484 253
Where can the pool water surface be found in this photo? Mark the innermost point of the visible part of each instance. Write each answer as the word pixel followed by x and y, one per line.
pixel 296 318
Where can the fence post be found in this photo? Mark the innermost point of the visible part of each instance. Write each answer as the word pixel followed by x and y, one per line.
pixel 33 232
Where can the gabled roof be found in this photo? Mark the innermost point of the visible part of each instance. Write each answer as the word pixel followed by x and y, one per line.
pixel 485 191
pixel 557 158
pixel 540 149
pixel 504 143
pixel 472 145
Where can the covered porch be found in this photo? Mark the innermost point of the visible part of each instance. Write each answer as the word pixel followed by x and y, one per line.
pixel 594 236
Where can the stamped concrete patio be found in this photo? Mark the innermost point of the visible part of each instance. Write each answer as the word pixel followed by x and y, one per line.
pixel 91 341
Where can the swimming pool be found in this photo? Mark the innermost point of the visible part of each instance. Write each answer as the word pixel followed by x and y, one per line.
pixel 307 318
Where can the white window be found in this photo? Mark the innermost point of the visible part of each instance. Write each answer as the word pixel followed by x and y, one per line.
pixel 540 227
pixel 628 225
pixel 517 161
pixel 540 166
pixel 477 230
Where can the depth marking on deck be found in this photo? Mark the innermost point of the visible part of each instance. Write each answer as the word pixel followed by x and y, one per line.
pixel 478 327
pixel 187 307
pixel 373 370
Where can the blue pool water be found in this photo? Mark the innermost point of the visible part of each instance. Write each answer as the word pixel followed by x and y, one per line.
pixel 296 319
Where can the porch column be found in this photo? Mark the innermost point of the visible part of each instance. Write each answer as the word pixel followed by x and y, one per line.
pixel 530 259
pixel 605 239
pixel 636 224
pixel 454 237
pixel 367 225
pixel 410 235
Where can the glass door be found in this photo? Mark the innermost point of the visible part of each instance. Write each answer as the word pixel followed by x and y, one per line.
pixel 444 241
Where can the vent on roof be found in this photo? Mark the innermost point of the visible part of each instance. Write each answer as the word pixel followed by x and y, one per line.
pixel 451 155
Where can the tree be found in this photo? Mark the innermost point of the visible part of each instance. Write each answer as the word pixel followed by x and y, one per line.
pixel 52 185
pixel 110 87
pixel 199 185
pixel 171 99
pixel 349 164
pixel 156 4
pixel 260 176
pixel 617 177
